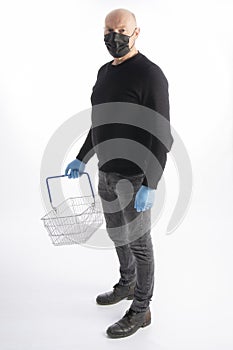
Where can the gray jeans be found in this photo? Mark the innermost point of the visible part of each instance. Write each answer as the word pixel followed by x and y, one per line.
pixel 130 232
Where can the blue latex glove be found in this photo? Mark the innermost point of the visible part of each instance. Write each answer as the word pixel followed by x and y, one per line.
pixel 144 198
pixel 76 168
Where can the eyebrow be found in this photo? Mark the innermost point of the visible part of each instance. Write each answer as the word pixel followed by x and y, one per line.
pixel 120 27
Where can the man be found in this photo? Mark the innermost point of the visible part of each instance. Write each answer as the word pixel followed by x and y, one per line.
pixel 129 78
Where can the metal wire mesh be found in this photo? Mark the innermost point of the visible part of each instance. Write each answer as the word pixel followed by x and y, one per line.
pixel 74 221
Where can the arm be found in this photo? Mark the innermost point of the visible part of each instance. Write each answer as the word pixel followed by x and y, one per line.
pixel 87 150
pixel 77 166
pixel 156 97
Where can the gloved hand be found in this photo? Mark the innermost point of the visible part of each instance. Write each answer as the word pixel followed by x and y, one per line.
pixel 76 168
pixel 144 198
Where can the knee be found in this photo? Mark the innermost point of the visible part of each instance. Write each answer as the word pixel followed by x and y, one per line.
pixel 116 236
pixel 142 250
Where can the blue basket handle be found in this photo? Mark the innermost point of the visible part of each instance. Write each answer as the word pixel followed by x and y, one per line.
pixel 53 177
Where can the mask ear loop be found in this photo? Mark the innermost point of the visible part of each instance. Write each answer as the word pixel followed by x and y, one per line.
pixel 131 36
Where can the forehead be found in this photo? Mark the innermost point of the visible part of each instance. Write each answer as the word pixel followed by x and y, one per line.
pixel 118 21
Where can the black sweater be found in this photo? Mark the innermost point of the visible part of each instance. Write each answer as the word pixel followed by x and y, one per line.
pixel 135 81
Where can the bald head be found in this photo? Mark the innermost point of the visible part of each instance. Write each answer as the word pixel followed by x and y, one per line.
pixel 121 16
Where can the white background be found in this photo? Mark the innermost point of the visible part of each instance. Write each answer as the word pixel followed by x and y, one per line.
pixel 50 54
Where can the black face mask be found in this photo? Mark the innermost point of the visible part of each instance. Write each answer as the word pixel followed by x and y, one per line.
pixel 117 43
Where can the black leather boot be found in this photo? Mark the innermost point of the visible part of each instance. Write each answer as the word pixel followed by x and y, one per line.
pixel 119 292
pixel 129 324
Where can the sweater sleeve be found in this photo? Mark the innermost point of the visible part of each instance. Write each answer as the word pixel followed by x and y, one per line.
pixel 87 150
pixel 156 97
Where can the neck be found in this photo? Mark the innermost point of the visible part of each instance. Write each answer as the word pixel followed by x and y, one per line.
pixel 119 60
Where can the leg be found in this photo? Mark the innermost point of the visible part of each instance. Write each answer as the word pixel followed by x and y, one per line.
pixel 138 225
pixel 142 249
pixel 114 222
pixel 134 228
pixel 127 264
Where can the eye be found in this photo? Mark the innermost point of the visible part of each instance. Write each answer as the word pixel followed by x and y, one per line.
pixel 121 30
pixel 107 30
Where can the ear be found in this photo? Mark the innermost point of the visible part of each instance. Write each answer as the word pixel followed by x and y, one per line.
pixel 137 31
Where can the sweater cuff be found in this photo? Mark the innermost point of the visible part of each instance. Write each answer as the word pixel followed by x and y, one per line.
pixel 79 158
pixel 152 185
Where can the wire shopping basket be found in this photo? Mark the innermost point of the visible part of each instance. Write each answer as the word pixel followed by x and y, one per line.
pixel 74 220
